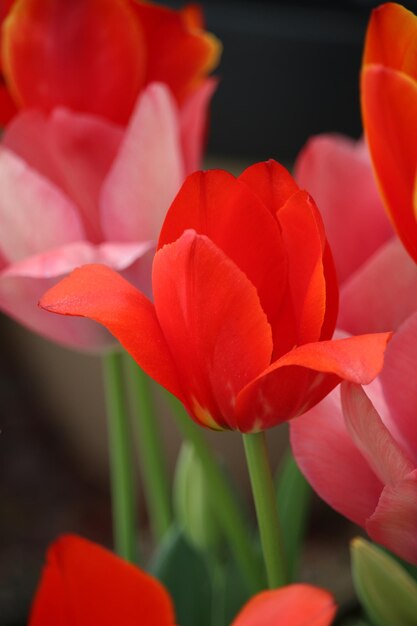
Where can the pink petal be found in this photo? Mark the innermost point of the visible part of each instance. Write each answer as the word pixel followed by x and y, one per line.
pixel 75 151
pixel 34 214
pixel 395 519
pixel 214 325
pixel 337 172
pixel 23 283
pixel 382 294
pixel 400 384
pixel 194 123
pixel 371 436
pixel 332 463
pixel 147 172
pixel 294 605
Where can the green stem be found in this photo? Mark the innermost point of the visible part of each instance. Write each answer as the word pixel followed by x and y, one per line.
pixel 151 454
pixel 121 462
pixel 266 508
pixel 228 513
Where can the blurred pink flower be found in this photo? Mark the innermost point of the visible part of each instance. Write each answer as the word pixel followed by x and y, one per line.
pixel 378 280
pixel 76 188
pixel 363 460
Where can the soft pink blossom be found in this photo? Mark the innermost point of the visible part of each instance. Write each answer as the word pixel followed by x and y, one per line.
pixel 76 188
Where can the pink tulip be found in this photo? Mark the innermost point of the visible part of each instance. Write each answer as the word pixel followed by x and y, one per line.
pixel 378 279
pixel 77 188
pixel 361 455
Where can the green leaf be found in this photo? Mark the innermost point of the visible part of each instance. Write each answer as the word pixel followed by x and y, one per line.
pixel 183 571
pixel 294 500
pixel 193 501
pixel 386 591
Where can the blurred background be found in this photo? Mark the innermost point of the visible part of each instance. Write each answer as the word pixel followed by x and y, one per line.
pixel 289 70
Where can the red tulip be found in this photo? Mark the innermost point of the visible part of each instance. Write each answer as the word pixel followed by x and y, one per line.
pixel 245 303
pixel 361 456
pixel 96 56
pixel 389 109
pixel 85 584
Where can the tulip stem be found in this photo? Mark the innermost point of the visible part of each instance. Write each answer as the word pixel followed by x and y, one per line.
pixel 225 507
pixel 266 508
pixel 121 460
pixel 151 454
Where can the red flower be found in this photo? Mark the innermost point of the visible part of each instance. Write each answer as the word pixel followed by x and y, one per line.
pixel 85 585
pixel 245 303
pixel 389 109
pixel 96 56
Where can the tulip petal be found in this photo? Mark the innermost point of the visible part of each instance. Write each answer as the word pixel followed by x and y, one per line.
pixel 23 283
pixel 381 294
pixel 400 387
pixel 215 204
pixel 331 462
pixel 100 294
pixel 87 55
pixel 301 222
pixel 213 323
pixel 337 172
pixel 147 172
pixel 389 102
pixel 179 54
pixel 372 438
pixel 27 200
pixel 271 182
pixel 85 584
pixel 294 605
pixel 301 378
pixel 391 39
pixel 394 522
pixel 72 150
pixel 193 124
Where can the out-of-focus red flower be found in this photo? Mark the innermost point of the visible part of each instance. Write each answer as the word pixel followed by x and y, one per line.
pixel 96 56
pixel 389 109
pixel 363 460
pixel 85 584
pixel 245 303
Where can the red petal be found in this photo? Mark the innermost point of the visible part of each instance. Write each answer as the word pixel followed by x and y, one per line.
pixel 99 293
pixel 304 376
pixel 213 323
pixel 304 241
pixel 178 52
pixel 271 182
pixel 389 108
pixel 295 605
pixel 215 204
pixel 87 55
pixel 85 584
pixel 391 39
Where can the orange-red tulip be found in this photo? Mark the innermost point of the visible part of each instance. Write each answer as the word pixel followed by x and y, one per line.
pixel 85 585
pixel 96 56
pixel 245 303
pixel 389 109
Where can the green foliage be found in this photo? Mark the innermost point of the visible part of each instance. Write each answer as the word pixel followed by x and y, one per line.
pixel 183 571
pixel 294 499
pixel 386 591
